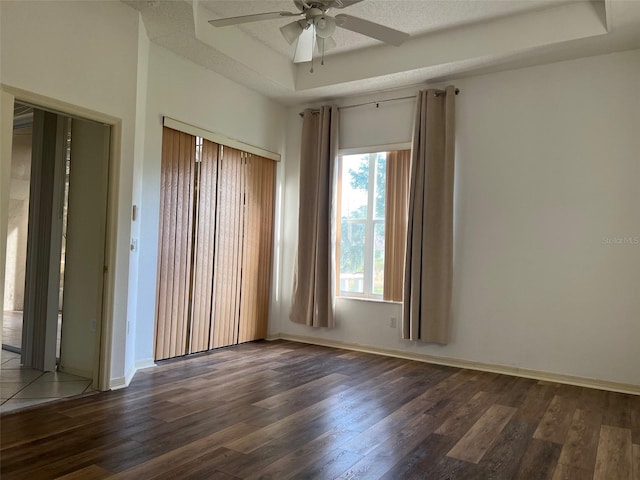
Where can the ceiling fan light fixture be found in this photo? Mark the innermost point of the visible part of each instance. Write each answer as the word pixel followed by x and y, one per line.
pixel 291 31
pixel 325 26
pixel 325 44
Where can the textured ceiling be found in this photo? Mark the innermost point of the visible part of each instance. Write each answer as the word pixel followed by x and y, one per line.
pixel 415 17
pixel 449 39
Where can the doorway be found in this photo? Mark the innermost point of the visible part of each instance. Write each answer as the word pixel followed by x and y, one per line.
pixel 56 241
pixel 17 226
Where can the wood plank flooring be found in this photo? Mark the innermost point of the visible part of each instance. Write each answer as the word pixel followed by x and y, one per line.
pixel 284 410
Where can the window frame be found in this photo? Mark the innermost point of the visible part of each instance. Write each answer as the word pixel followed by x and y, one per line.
pixel 369 223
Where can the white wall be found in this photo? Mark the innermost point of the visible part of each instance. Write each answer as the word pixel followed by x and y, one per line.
pixel 18 219
pixel 6 139
pixel 187 92
pixel 84 54
pixel 138 181
pixel 547 166
pixel 97 56
pixel 547 170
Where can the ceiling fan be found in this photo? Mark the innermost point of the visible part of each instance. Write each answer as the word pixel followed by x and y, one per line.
pixel 315 26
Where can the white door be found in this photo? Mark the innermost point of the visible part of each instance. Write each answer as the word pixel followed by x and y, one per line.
pixel 85 243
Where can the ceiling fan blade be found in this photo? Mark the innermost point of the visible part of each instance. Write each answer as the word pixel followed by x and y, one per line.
pixel 225 22
pixel 371 29
pixel 302 5
pixel 344 3
pixel 291 31
pixel 324 43
pixel 304 49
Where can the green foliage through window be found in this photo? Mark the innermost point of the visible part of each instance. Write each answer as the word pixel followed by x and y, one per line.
pixel 362 227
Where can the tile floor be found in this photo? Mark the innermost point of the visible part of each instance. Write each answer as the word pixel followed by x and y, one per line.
pixel 24 387
pixel 12 328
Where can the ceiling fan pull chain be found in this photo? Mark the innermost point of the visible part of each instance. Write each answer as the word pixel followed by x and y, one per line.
pixel 312 46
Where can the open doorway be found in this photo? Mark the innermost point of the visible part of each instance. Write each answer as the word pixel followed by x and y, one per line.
pixel 17 228
pixel 52 306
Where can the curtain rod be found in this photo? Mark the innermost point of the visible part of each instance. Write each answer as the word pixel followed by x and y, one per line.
pixel 377 102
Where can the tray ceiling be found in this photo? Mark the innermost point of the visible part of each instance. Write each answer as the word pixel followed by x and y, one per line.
pixel 449 38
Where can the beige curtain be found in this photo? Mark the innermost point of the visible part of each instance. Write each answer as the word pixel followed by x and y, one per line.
pixel 395 222
pixel 314 280
pixel 429 261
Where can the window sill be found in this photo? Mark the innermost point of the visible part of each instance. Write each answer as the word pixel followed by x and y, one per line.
pixel 368 299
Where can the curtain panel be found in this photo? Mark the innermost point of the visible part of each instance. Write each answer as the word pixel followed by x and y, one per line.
pixel 395 221
pixel 314 277
pixel 429 253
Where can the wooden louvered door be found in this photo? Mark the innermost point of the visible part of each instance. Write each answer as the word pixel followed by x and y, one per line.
pixel 216 242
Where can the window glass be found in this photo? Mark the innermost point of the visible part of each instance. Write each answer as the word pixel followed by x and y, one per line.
pixel 355 186
pixel 378 258
pixel 352 257
pixel 380 178
pixel 362 211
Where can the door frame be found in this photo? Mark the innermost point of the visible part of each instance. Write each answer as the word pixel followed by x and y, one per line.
pixel 101 371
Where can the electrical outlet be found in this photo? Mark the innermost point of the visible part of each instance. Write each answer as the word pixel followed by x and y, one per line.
pixel 392 322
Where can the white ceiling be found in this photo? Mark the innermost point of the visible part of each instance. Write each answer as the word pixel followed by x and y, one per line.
pixel 449 39
pixel 416 17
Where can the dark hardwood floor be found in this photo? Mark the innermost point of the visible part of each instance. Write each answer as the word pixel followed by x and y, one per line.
pixel 284 410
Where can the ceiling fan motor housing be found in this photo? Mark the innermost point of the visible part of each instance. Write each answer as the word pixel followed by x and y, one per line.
pixel 305 6
pixel 313 13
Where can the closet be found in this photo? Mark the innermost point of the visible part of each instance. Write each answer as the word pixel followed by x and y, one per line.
pixel 215 245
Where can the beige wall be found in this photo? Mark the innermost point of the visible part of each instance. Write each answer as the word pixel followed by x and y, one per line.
pixel 18 220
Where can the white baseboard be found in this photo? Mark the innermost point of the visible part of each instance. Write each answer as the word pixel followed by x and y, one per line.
pixel 145 363
pixel 122 382
pixel 76 371
pixel 117 383
pixel 129 375
pixel 471 365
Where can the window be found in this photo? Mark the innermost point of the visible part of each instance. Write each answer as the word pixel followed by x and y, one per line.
pixel 362 214
pixel 362 202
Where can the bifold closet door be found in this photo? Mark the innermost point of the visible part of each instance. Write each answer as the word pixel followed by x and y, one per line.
pixel 257 247
pixel 175 247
